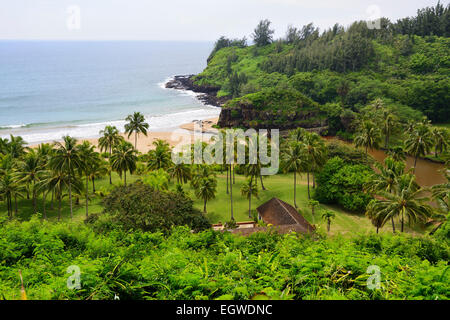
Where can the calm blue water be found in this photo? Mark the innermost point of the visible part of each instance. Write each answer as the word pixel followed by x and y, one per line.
pixel 48 89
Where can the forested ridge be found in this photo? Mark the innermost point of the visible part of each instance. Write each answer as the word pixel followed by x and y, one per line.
pixel 406 63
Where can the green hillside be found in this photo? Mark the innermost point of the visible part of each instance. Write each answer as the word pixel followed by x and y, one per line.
pixel 349 66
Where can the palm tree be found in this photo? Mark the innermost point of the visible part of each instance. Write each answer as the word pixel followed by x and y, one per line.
pixel 16 146
pixel 293 160
pixel 386 180
pixel 252 171
pixel 313 204
pixel 124 159
pixel 249 189
pixel 298 134
pixel 315 154
pixel 200 172
pixel 328 216
pixel 397 153
pixel 9 189
pixel 406 202
pixel 99 168
pixel 441 140
pixel 180 171
pixel 87 157
pixel 369 136
pixel 206 189
pixel 441 193
pixel 29 171
pixel 160 157
pixel 3 146
pixel 419 142
pixel 110 138
pixel 136 123
pixel 66 159
pixel 376 219
pixel 389 122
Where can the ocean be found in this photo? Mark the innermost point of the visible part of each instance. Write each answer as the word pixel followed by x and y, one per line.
pixel 49 89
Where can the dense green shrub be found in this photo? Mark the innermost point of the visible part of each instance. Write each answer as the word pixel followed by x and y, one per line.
pixel 342 183
pixel 140 206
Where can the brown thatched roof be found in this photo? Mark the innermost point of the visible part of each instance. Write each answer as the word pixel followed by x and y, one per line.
pixel 279 213
pixel 280 229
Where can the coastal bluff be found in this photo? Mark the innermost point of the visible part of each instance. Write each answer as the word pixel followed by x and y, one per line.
pixel 266 109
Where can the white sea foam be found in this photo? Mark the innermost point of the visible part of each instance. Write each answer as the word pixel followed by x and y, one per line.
pixel 91 130
pixel 13 126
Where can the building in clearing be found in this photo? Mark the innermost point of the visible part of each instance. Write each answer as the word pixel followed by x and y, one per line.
pixel 282 216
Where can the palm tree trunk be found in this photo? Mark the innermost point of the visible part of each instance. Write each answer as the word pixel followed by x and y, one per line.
pixel 231 197
pixel 328 224
pixel 250 198
pixel 234 178
pixel 8 206
pixel 295 189
pixel 135 140
pixel 93 184
pixel 125 178
pixel 387 139
pixel 59 206
pixel 402 220
pixel 393 225
pixel 377 229
pixel 15 204
pixel 262 184
pixel 110 173
pixel 309 193
pixel 70 193
pixel 34 198
pixel 415 163
pixel 87 196
pixel 204 206
pixel 227 181
pixel 51 202
pixel 43 205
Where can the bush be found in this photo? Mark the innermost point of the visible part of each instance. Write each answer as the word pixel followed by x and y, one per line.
pixel 139 206
pixel 342 184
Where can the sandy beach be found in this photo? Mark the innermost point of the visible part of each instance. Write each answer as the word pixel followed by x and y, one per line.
pixel 184 133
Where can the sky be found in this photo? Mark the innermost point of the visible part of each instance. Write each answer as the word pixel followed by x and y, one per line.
pixel 185 20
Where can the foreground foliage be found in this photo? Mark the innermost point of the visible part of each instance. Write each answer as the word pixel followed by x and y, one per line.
pixel 214 265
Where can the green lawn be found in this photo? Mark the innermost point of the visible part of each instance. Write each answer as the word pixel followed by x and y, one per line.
pixel 442 125
pixel 280 186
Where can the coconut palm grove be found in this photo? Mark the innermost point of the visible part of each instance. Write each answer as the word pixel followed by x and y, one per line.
pixel 364 162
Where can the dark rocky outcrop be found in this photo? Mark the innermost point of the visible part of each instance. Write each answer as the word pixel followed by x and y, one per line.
pixel 273 108
pixel 207 94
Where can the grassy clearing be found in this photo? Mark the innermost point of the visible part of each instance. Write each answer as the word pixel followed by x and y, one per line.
pixel 280 186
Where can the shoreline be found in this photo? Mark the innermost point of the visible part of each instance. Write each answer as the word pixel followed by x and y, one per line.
pixel 183 132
